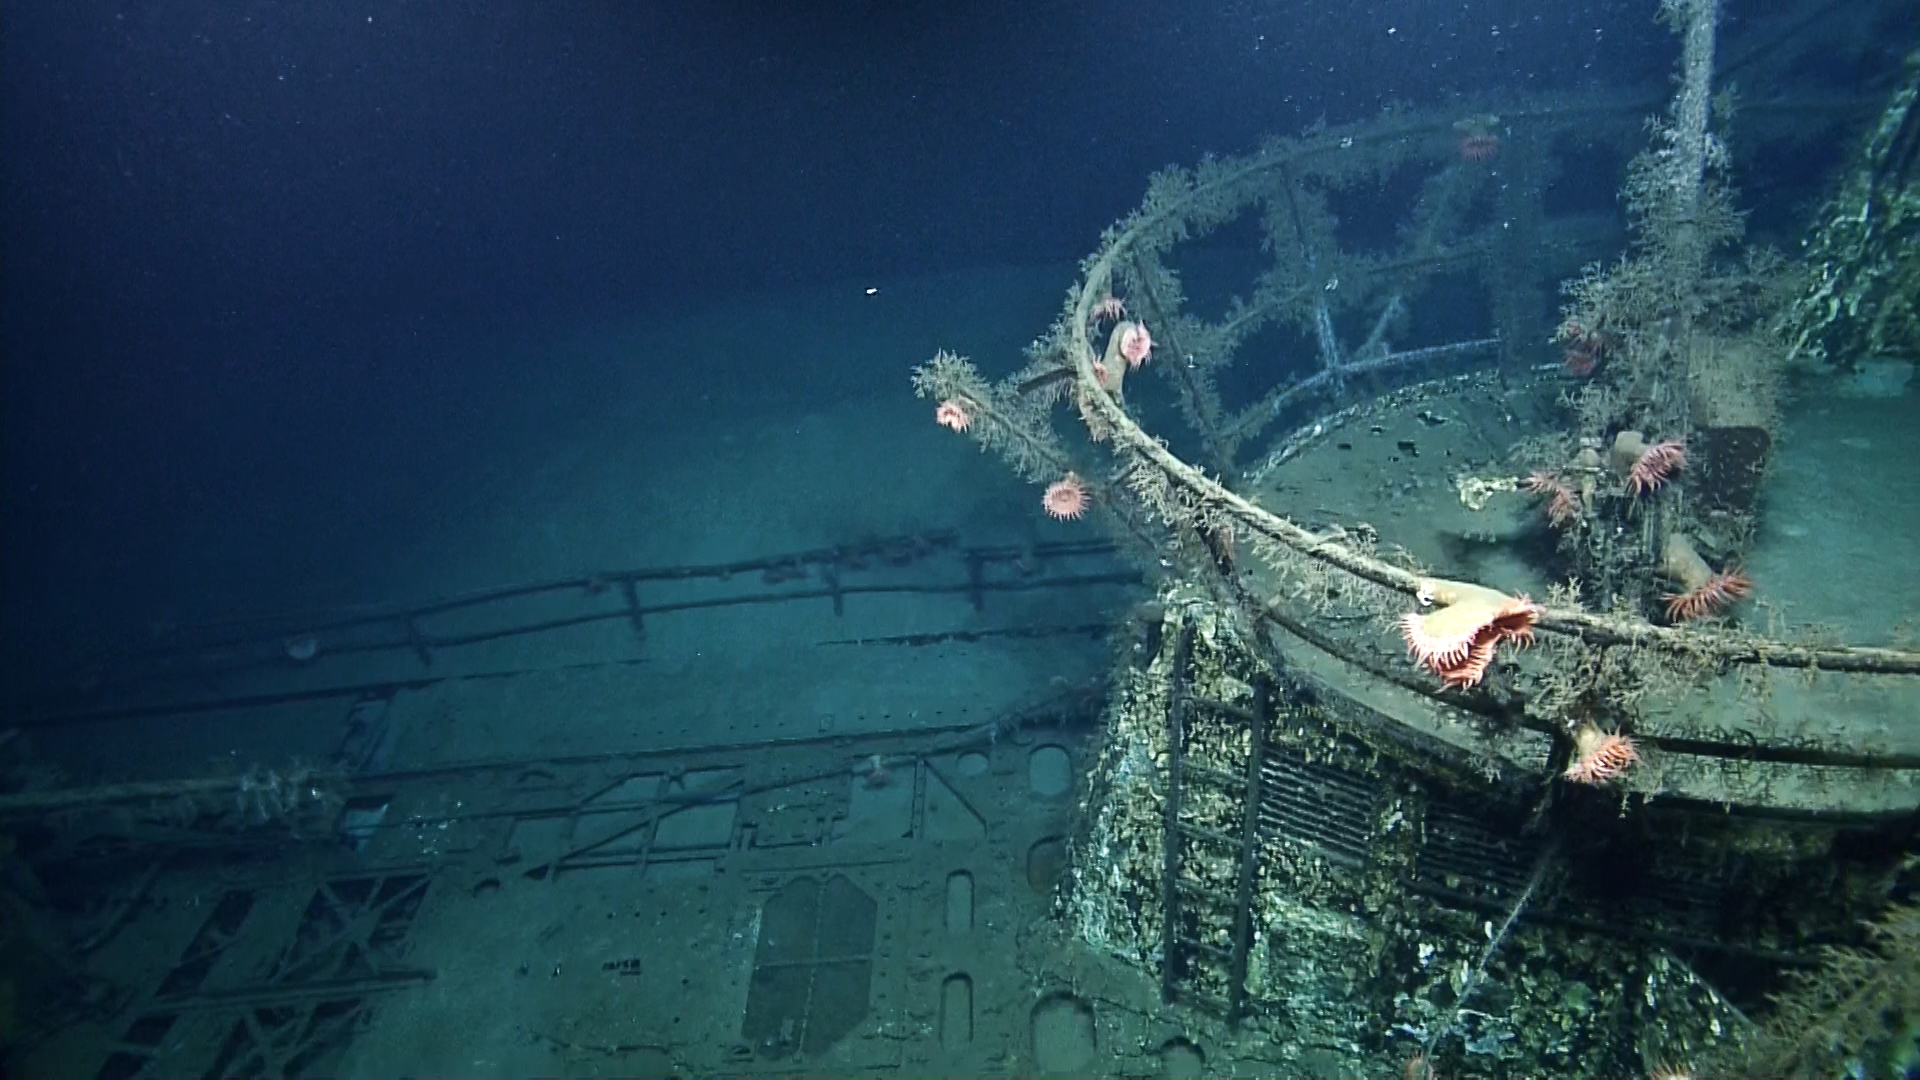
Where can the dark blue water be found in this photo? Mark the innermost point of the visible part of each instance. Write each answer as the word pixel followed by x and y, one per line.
pixel 249 248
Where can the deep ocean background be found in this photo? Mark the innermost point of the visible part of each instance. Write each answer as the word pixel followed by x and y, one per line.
pixel 273 272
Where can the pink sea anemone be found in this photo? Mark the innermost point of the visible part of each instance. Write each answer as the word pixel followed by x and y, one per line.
pixel 1657 466
pixel 1586 349
pixel 1066 498
pixel 1457 640
pixel 1715 593
pixel 1562 504
pixel 951 414
pixel 1109 307
pixel 1646 468
pixel 1136 344
pixel 1479 146
pixel 1600 756
pixel 1702 592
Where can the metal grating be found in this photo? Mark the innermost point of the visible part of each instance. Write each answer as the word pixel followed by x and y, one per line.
pixel 1461 853
pixel 1317 804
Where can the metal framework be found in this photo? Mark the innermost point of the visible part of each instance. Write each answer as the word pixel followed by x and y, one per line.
pixel 281 950
pixel 424 642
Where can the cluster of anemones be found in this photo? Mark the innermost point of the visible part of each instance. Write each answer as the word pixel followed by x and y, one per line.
pixel 1066 498
pixel 1643 468
pixel 1570 491
pixel 1456 640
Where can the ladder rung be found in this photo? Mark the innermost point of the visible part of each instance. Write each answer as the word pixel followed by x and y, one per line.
pixel 1194 890
pixel 1213 950
pixel 1236 711
pixel 1216 775
pixel 1202 998
pixel 1202 833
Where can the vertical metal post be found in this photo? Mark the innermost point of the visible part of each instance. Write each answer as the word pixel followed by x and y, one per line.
pixel 632 594
pixel 830 573
pixel 1170 840
pixel 1250 849
pixel 417 640
pixel 1326 341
